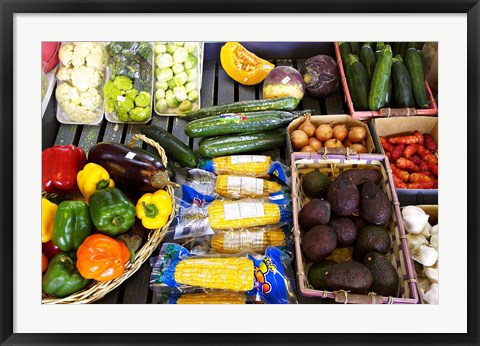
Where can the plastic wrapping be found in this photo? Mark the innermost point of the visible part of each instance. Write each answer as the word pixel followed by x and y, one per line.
pixel 128 91
pixel 215 297
pixel 267 278
pixel 80 80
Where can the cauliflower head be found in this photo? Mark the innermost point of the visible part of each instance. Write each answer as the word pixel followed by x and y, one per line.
pixel 96 61
pixel 91 99
pixel 123 82
pixel 78 113
pixel 143 99
pixel 65 54
pixel 84 77
pixel 64 74
pixel 66 93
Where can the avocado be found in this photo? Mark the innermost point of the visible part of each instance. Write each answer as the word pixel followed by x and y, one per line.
pixel 344 197
pixel 315 212
pixel 319 243
pixel 315 184
pixel 361 176
pixel 349 276
pixel 371 238
pixel 375 206
pixel 385 277
pixel 346 231
pixel 316 273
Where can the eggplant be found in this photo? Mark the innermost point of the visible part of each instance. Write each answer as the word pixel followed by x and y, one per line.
pixel 132 168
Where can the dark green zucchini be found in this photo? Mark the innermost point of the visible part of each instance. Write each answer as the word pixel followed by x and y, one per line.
pixel 244 143
pixel 388 96
pixel 367 57
pixel 280 104
pixel 174 148
pixel 414 64
pixel 232 123
pixel 378 49
pixel 357 80
pixel 355 46
pixel 402 86
pixel 380 80
pixel 345 49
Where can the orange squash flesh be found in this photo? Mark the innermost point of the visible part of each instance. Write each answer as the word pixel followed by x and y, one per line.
pixel 243 66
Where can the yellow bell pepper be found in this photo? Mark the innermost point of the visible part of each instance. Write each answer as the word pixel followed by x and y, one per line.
pixel 48 216
pixel 154 209
pixel 93 178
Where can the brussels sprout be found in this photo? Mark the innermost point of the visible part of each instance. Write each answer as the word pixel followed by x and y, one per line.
pixel 160 94
pixel 185 106
pixel 159 48
pixel 180 44
pixel 177 68
pixel 192 75
pixel 180 79
pixel 161 85
pixel 164 74
pixel 171 84
pixel 172 102
pixel 193 96
pixel 190 62
pixel 161 106
pixel 191 47
pixel 171 47
pixel 180 55
pixel 190 86
pixel 164 60
pixel 180 93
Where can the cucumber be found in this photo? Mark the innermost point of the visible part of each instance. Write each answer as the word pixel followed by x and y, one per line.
pixel 244 143
pixel 355 46
pixel 414 64
pixel 281 104
pixel 345 49
pixel 367 57
pixel 402 86
pixel 381 76
pixel 232 123
pixel 357 79
pixel 174 148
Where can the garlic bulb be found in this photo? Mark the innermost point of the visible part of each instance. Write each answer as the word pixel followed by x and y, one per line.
pixel 434 241
pixel 415 240
pixel 425 254
pixel 423 283
pixel 427 230
pixel 430 296
pixel 414 219
pixel 432 274
pixel 434 229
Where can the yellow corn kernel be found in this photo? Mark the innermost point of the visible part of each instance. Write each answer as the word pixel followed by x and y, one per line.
pixel 253 239
pixel 243 187
pixel 212 298
pixel 251 165
pixel 225 273
pixel 224 215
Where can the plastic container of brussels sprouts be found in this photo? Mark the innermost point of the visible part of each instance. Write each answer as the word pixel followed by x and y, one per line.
pixel 66 83
pixel 178 77
pixel 112 116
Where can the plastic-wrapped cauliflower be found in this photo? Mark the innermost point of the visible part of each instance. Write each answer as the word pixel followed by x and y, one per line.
pixel 91 99
pixel 80 52
pixel 143 99
pixel 66 93
pixel 64 74
pixel 65 54
pixel 79 114
pixel 84 77
pixel 97 60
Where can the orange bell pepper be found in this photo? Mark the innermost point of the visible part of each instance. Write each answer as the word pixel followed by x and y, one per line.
pixel 44 262
pixel 102 258
pixel 243 66
pixel 48 216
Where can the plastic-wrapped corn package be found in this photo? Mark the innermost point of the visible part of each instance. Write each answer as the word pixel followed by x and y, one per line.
pixel 267 278
pixel 212 297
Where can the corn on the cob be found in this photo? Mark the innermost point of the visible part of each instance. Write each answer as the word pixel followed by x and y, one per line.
pixel 212 298
pixel 242 187
pixel 253 239
pixel 224 215
pixel 227 273
pixel 251 165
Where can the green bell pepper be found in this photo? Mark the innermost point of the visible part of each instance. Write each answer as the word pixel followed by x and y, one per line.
pixel 111 211
pixel 72 225
pixel 62 277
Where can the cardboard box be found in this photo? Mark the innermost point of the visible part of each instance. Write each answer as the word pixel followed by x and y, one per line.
pixel 388 127
pixel 332 120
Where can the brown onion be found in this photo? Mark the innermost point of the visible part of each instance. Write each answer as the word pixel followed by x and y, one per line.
pixel 357 134
pixel 308 149
pixel 340 132
pixel 315 143
pixel 360 148
pixel 333 143
pixel 324 132
pixel 308 127
pixel 299 139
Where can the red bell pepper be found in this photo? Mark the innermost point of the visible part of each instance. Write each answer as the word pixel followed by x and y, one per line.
pixel 60 165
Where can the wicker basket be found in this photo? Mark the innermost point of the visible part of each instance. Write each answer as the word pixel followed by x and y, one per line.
pixel 97 290
pixel 399 253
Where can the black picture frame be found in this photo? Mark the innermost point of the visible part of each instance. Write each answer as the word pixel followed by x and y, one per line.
pixel 9 8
